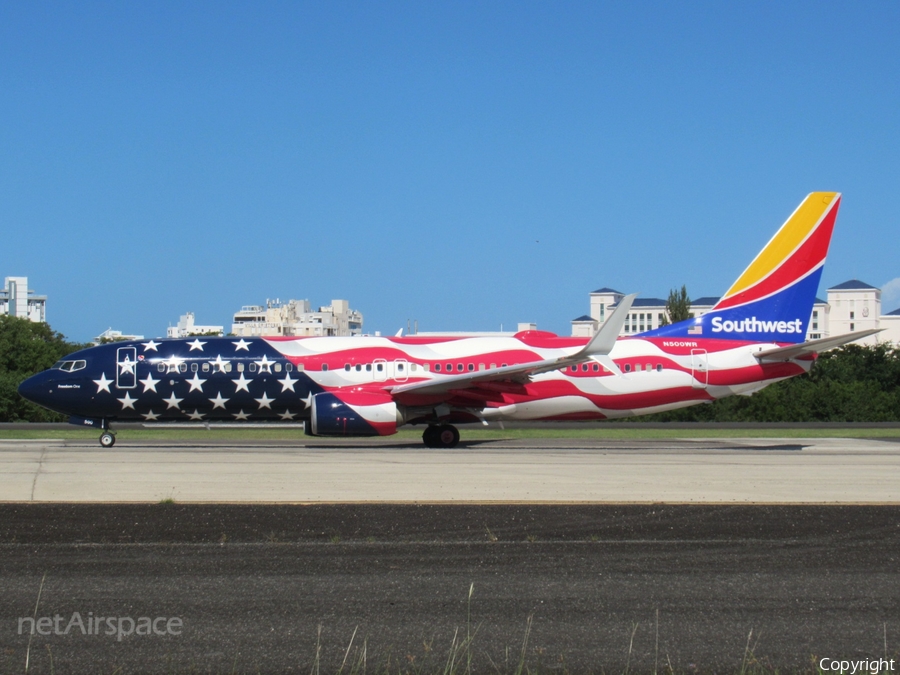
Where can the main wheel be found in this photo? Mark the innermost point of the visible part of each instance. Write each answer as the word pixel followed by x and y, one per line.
pixel 447 436
pixel 107 440
pixel 429 436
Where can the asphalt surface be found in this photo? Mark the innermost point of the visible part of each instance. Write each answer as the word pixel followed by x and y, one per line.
pixel 585 588
pixel 504 470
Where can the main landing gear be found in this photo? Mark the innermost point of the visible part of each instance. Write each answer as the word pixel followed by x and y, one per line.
pixel 441 436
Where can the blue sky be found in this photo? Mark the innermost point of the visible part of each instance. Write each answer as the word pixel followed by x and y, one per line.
pixel 463 164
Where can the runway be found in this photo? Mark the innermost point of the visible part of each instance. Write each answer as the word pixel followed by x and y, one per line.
pixel 795 471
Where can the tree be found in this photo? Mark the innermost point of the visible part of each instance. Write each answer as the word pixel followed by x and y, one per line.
pixel 678 306
pixel 27 348
pixel 851 384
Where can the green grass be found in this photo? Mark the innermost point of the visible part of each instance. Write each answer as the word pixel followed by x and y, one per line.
pixel 473 433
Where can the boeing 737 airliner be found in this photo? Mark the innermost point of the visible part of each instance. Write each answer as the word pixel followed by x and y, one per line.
pixel 368 386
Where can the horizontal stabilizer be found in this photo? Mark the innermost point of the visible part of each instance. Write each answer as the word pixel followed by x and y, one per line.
pixel 813 346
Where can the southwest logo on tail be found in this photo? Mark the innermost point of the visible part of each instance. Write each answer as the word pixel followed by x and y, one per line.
pixel 370 386
pixel 773 299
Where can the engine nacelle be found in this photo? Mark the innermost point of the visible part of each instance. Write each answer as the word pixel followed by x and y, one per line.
pixel 353 414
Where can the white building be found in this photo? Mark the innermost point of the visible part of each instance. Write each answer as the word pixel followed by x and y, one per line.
pixel 891 324
pixel 186 327
pixel 17 300
pixel 295 318
pixel 854 305
pixel 851 306
pixel 110 335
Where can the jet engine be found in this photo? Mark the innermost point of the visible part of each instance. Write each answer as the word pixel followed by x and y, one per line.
pixel 353 414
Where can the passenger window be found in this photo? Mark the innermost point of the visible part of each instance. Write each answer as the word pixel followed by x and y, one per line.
pixel 658 367
pixel 470 367
pixel 379 367
pixel 425 367
pixel 358 367
pixel 227 367
pixel 627 367
pixel 574 369
pixel 368 367
pixel 252 367
pixel 324 367
pixel 161 367
pixel 480 366
pixel 277 367
pixel 596 367
pixel 412 367
pixel 399 367
pixel 437 367
pixel 195 367
pixel 637 367
pixel 584 367
pixel 240 367
pixel 493 365
pixel 288 367
pixel 459 367
pixel 648 367
pixel 347 367
pixel 205 367
pixel 182 367
pixel 300 367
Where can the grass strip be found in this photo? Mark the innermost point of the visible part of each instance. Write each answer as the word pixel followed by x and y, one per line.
pixel 602 431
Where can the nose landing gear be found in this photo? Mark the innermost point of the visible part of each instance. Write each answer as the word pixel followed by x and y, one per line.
pixel 107 438
pixel 441 436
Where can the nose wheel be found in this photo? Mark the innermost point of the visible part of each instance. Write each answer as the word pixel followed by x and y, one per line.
pixel 107 439
pixel 441 436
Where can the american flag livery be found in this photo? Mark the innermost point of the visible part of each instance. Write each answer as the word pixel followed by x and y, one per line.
pixel 367 386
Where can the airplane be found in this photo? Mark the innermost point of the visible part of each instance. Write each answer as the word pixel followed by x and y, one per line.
pixel 372 386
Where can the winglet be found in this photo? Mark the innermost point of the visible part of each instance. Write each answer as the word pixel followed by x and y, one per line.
pixel 603 342
pixel 605 339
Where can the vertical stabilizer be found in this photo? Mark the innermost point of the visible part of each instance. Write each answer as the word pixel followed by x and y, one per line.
pixel 773 299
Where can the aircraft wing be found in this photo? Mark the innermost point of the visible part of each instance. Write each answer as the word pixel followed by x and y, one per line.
pixel 597 349
pixel 813 346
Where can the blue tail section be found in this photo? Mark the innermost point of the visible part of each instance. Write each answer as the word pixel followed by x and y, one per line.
pixel 773 299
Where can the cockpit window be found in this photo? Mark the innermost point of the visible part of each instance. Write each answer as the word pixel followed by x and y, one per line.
pixel 70 366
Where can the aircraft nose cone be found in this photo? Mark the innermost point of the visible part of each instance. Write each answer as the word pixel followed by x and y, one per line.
pixel 36 389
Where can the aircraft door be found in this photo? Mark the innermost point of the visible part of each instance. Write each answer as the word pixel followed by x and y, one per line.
pixel 126 367
pixel 699 368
